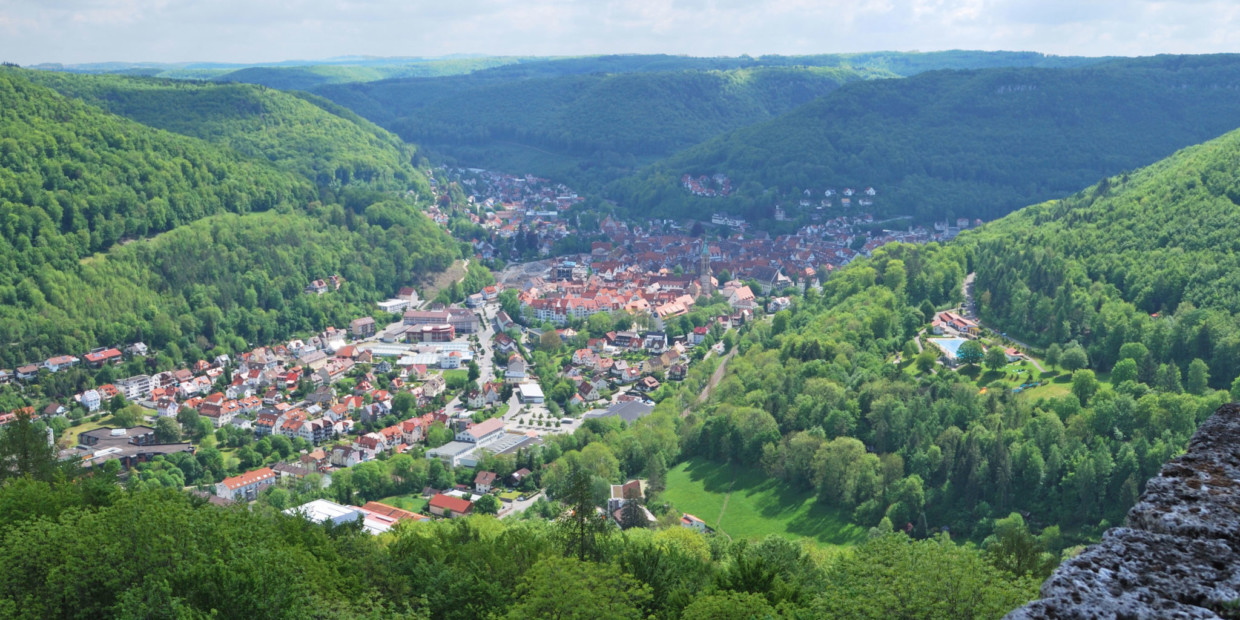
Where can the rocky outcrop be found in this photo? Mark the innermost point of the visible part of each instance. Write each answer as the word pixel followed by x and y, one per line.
pixel 1179 554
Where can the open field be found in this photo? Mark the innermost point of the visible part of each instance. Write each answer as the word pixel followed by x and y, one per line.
pixel 745 504
pixel 412 503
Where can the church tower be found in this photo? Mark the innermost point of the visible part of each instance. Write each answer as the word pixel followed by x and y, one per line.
pixel 704 269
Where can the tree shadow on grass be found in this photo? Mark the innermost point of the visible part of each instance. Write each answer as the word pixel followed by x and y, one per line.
pixel 971 371
pixel 796 510
pixel 990 376
pixel 714 477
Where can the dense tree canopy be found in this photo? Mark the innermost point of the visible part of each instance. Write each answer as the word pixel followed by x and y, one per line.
pixel 169 554
pixel 976 144
pixel 233 239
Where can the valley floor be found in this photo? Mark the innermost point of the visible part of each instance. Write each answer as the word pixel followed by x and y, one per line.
pixel 744 503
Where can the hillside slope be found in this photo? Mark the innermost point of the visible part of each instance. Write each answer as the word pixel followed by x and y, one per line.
pixel 1095 266
pixel 582 126
pixel 297 132
pixel 81 188
pixel 75 180
pixel 967 143
pixel 591 119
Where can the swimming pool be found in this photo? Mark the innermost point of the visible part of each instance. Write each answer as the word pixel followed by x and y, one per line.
pixel 949 345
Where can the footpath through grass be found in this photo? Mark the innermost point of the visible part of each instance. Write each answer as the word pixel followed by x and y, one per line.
pixel 747 505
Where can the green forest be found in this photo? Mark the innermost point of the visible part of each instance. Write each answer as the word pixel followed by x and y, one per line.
pixel 296 132
pixel 977 144
pixel 589 120
pixel 114 231
pixel 1140 266
pixel 88 547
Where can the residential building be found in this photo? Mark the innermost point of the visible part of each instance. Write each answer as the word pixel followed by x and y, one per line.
pixel 363 327
pixel 55 364
pixel 693 523
pixel 450 507
pixel 247 486
pixel 484 481
pixel 90 399
pixel 135 388
pixel 620 494
pixel 516 369
pixel 99 357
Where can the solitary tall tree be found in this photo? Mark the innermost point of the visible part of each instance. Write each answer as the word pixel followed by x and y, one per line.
pixel 971 352
pixel 1074 358
pixel 1198 377
pixel 581 527
pixel 995 358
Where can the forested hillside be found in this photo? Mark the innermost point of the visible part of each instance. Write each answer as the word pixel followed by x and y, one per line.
pixel 312 75
pixel 74 180
pixel 1148 257
pixel 960 143
pixel 80 189
pixel 300 133
pixel 591 119
pixel 294 74
pixel 223 281
pixel 833 397
pixel 581 127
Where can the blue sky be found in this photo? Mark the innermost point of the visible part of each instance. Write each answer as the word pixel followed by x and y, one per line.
pixel 75 31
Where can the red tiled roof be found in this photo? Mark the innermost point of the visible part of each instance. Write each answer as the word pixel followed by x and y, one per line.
pixel 246 479
pixel 392 511
pixel 447 502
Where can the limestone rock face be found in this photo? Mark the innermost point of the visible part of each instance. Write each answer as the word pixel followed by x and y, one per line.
pixel 1178 557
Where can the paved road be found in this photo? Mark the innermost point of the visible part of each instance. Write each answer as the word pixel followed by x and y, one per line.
pixel 519 506
pixel 970 310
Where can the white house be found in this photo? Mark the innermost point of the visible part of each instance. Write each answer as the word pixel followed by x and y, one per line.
pixel 90 400
pixel 693 523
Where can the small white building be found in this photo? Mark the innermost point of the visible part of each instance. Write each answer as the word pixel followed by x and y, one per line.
pixel 324 511
pixel 693 523
pixel 531 393
pixel 91 400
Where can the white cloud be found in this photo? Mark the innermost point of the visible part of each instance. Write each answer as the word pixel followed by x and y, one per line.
pixel 33 31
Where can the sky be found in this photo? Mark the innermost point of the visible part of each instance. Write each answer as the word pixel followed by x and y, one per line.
pixel 251 31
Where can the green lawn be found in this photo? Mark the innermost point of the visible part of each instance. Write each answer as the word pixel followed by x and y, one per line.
pixel 746 504
pixel 1053 389
pixel 458 374
pixel 412 503
pixel 71 434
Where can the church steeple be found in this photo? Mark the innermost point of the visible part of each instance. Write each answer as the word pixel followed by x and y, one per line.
pixel 704 269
